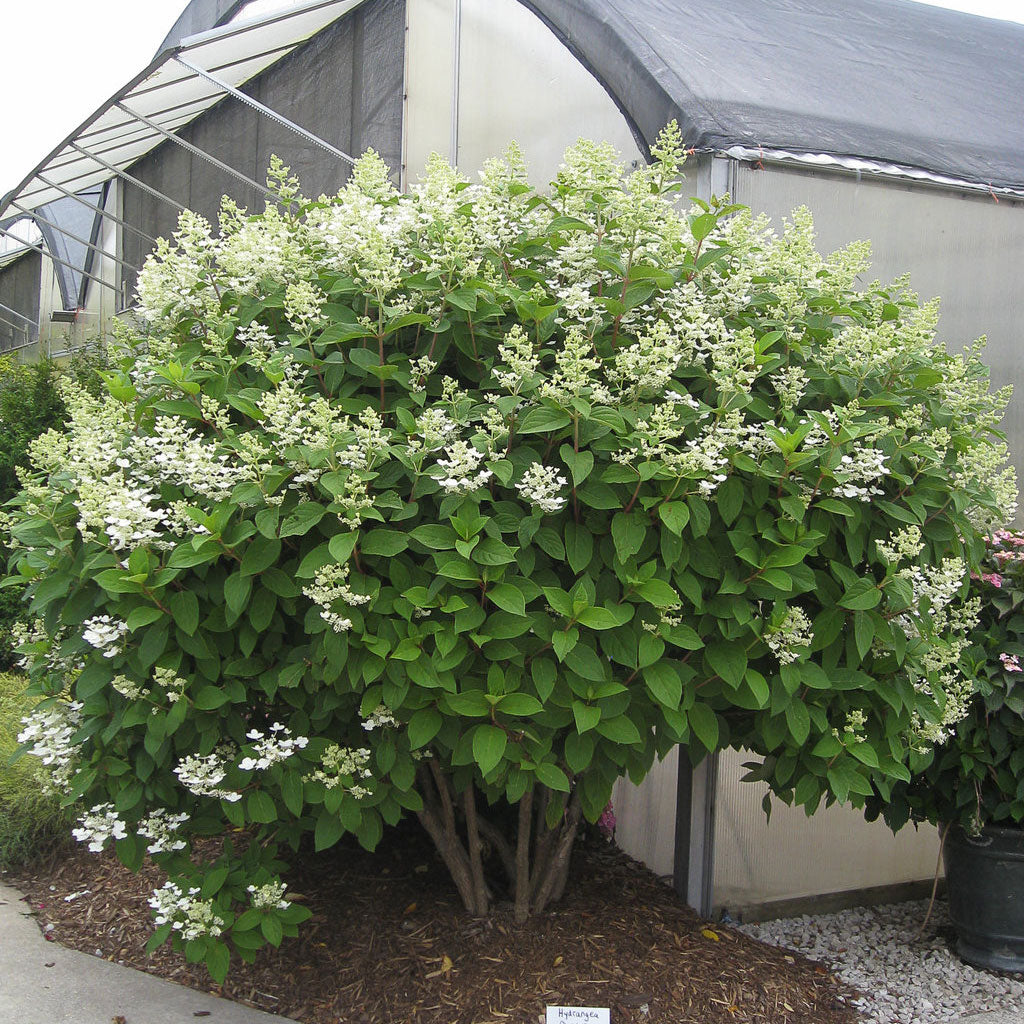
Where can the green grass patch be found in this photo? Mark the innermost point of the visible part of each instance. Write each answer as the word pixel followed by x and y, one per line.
pixel 31 818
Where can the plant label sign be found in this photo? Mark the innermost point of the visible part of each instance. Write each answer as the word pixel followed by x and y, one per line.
pixel 578 1015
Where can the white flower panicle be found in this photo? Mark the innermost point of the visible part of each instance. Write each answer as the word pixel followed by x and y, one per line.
pixel 181 908
pixel 105 634
pixel 268 750
pixel 160 827
pixel 461 469
pixel 378 718
pixel 791 637
pixel 269 896
pixel 341 767
pixel 50 732
pixel 202 774
pixel 330 584
pixel 540 485
pixel 98 826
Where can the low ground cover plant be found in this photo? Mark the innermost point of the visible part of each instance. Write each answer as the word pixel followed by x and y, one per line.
pixel 466 503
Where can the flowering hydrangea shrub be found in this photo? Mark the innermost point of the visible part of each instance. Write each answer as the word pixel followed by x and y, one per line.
pixel 467 502
pixel 974 775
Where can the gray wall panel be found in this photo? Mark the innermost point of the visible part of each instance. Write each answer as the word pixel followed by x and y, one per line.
pixel 967 249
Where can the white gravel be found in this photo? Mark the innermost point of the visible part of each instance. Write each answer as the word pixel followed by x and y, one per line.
pixel 905 981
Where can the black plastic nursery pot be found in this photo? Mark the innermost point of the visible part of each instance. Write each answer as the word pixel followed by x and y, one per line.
pixel 985 880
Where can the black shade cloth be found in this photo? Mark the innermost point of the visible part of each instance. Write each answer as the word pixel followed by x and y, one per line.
pixel 343 85
pixel 885 80
pixel 19 289
pixel 890 81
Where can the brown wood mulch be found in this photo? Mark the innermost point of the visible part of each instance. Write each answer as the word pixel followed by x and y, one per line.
pixel 390 944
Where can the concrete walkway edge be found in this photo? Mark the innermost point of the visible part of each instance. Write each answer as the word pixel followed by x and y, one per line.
pixel 83 989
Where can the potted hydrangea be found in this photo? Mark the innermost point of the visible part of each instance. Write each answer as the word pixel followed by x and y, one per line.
pixel 972 784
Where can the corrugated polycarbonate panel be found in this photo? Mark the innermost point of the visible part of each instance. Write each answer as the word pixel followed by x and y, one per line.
pixel 966 249
pixel 19 290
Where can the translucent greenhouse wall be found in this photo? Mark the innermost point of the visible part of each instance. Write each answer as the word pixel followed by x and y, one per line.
pixel 515 81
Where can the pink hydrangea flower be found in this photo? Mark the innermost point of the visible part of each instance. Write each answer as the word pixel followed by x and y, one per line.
pixel 606 823
pixel 1010 663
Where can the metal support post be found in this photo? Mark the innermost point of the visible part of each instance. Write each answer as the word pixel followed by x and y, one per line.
pixel 265 110
pixel 20 316
pixel 97 209
pixel 695 831
pixel 77 238
pixel 56 259
pixel 453 144
pixel 196 151
pixel 127 177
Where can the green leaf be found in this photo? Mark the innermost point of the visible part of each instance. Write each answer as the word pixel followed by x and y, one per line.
pixel 209 698
pixel 862 595
pixel 600 618
pixel 675 515
pixel 260 807
pixel 544 676
pixel 543 418
pixel 658 593
pixel 143 617
pixel 579 546
pixel 459 569
pixel 579 752
pixel 664 683
pixel 184 607
pixel 628 532
pixel 580 464
pixel 341 547
pixel 489 744
pixel 384 542
pixel 291 792
pixel 423 727
pixel 728 660
pixel 619 729
pixel 435 536
pixel 799 721
pixel 508 597
pixel 236 592
pixel 863 632
pixel 585 662
pixel 552 776
pixel 261 553
pixel 271 927
pixel 586 715
pixel 302 519
pixel 704 725
pixel 520 704
pixel 329 830
pixel 218 959
pixel 729 499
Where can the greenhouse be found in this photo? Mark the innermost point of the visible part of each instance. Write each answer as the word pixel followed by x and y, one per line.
pixel 871 122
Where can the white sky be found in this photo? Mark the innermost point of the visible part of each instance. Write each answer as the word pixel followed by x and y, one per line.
pixel 62 59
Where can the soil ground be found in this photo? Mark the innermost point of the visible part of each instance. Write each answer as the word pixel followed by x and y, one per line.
pixel 389 943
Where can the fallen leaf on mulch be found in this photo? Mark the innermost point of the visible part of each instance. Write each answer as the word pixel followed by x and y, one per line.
pixel 388 942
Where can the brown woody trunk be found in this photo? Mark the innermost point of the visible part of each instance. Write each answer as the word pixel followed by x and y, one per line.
pixel 535 881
